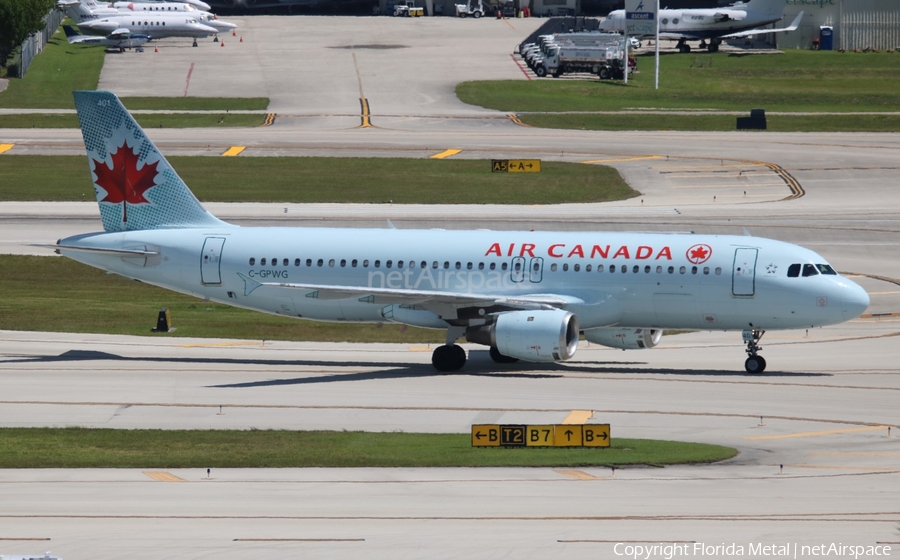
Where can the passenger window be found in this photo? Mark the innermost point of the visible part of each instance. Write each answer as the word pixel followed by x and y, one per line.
pixel 718 271
pixel 636 269
pixel 377 264
pixel 331 263
pixel 262 261
pixel 285 262
pixel 587 268
pixel 682 270
pixel 693 270
pixel 388 264
pixel 553 267
pixel 399 264
pixel 320 262
pixel 565 267
pixel 434 264
pixel 366 263
pixel 353 263
pixel 706 270
pixel 612 269
pixel 343 263
pixel 577 267
pixel 425 264
pixel 647 269
pixel 599 268
pixel 671 270
pixel 810 270
pixel 252 261
pixel 308 262
pixel 503 267
pixel 659 269
pixel 493 266
pixel 296 262
pixel 624 269
pixel 458 265
pixel 480 266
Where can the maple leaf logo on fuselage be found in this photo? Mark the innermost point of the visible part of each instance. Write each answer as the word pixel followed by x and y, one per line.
pixel 123 182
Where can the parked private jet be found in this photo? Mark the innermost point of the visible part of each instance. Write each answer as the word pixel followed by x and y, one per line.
pixel 712 24
pixel 527 295
pixel 119 39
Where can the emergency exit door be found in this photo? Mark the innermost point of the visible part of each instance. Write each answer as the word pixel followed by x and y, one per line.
pixel 743 275
pixel 211 261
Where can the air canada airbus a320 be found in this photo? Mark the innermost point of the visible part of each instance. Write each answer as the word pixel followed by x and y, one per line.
pixel 527 295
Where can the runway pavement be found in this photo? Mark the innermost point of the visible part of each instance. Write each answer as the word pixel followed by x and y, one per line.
pixel 816 465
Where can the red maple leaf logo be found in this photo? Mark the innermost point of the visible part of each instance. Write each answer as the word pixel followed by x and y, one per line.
pixel 124 182
pixel 699 254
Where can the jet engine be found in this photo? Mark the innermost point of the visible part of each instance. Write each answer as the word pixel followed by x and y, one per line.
pixel 549 335
pixel 626 339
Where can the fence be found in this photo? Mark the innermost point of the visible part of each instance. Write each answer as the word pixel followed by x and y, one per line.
pixel 33 45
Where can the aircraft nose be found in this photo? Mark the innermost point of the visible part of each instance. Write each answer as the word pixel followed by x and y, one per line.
pixel 854 301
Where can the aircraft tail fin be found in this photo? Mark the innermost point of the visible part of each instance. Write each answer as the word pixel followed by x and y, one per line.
pixel 136 187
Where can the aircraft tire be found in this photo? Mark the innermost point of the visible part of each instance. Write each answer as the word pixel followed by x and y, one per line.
pixel 500 358
pixel 713 47
pixel 449 357
pixel 755 364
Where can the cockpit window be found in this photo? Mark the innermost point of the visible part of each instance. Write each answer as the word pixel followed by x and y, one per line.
pixel 794 270
pixel 810 270
pixel 826 269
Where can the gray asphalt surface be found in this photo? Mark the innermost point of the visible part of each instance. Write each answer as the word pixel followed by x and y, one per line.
pixel 818 467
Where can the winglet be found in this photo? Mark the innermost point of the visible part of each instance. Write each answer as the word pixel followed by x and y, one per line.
pixel 136 187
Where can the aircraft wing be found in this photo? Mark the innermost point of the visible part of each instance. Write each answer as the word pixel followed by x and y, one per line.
pixel 400 296
pixel 794 24
pixel 119 34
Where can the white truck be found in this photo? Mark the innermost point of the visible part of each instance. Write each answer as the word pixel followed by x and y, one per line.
pixel 605 62
pixel 472 8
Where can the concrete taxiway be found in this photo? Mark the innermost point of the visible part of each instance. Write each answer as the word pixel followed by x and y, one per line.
pixel 816 462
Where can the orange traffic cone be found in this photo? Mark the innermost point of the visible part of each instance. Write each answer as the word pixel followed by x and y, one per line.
pixel 242 39
pixel 155 49
pixel 233 33
pixel 222 44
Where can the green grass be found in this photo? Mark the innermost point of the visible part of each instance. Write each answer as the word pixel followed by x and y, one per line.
pixel 60 295
pixel 776 123
pixel 299 180
pixel 62 68
pixel 104 448
pixel 167 120
pixel 795 81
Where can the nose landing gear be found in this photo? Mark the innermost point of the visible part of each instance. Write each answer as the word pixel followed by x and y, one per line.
pixel 754 362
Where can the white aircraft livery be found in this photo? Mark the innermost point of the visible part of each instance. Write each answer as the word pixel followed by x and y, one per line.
pixel 527 295
pixel 741 19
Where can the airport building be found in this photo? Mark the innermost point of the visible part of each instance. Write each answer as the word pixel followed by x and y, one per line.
pixel 856 24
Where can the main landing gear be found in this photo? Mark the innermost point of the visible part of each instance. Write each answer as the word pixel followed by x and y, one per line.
pixel 450 356
pixel 754 363
pixel 683 47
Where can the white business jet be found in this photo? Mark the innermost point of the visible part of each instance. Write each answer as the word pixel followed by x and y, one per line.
pixel 711 24
pixel 527 295
pixel 183 20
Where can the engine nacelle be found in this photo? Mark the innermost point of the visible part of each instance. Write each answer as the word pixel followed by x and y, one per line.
pixel 626 339
pixel 549 335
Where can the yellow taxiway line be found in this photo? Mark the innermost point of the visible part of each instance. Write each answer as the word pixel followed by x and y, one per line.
pixel 163 476
pixel 234 150
pixel 6 147
pixel 446 154
pixel 579 475
pixel 823 433
pixel 578 417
